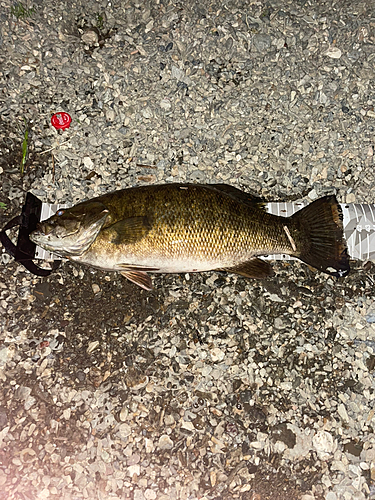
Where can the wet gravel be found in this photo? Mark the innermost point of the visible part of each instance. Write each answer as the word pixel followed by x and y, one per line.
pixel 211 386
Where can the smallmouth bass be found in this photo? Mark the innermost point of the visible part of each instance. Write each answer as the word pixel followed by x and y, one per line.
pixel 179 228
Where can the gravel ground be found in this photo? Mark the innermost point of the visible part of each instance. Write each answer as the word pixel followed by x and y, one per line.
pixel 211 386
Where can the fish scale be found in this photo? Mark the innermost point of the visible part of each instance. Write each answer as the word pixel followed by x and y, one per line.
pixel 196 223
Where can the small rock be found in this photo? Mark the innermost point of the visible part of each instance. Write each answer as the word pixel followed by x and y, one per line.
pixel 134 459
pixel 180 75
pixel 29 402
pixel 324 444
pixel 313 194
pixel 43 494
pixel 149 494
pixel 217 354
pixel 370 318
pixel 124 430
pixel 110 114
pixel 134 469
pixel 165 442
pixel 147 113
pixel 350 198
pixel 67 413
pixel 92 346
pixel 138 494
pixel 165 104
pixel 262 42
pixel 168 420
pixel 341 410
pixel 334 53
pixel 90 37
pixel 3 356
pixel 124 413
pixel 331 496
pixel 87 161
pixel 149 445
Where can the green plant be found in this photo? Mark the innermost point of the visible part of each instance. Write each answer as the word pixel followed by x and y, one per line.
pixel 2 205
pixel 99 21
pixel 20 11
pixel 25 148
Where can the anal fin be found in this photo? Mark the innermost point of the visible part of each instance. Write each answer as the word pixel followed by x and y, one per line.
pixel 254 268
pixel 140 278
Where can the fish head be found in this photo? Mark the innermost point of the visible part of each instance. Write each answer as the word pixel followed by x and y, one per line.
pixel 71 231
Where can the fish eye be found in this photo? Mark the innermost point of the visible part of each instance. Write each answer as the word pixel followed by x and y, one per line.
pixel 60 212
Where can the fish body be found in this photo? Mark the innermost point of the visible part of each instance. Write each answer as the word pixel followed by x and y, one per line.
pixel 175 228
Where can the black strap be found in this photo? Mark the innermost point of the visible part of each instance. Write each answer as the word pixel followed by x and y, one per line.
pixel 24 251
pixel 9 246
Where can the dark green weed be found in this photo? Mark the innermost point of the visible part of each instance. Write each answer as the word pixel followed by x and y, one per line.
pixel 99 21
pixel 19 10
pixel 25 147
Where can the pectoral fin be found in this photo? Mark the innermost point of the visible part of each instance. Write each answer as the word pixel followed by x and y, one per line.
pixel 140 278
pixel 129 230
pixel 254 268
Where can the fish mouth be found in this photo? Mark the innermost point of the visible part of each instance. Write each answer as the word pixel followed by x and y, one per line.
pixel 42 229
pixel 41 237
pixel 36 235
pixel 41 232
pixel 68 241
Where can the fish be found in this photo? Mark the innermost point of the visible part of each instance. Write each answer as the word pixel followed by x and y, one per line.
pixel 187 228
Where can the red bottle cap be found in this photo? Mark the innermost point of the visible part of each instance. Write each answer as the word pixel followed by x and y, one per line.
pixel 61 120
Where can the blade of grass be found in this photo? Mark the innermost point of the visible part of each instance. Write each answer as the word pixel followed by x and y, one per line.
pixel 25 148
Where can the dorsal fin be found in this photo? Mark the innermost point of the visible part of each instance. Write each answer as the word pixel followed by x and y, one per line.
pixel 238 195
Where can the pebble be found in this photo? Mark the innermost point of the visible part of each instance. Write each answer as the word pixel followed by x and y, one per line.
pixel 334 53
pixel 165 442
pixel 124 430
pixel 342 412
pixel 3 356
pixel 149 445
pixel 262 42
pixel 331 496
pixel 138 494
pixel 124 414
pixel 90 37
pixel 324 444
pixel 87 161
pixel 150 494
pixel 134 469
pixel 217 355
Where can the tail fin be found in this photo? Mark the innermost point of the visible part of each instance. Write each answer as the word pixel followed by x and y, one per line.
pixel 322 244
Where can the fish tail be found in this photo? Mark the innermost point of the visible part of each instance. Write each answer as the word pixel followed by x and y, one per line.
pixel 321 242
